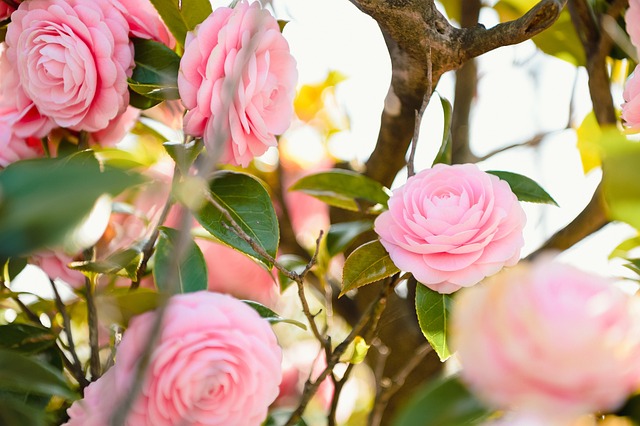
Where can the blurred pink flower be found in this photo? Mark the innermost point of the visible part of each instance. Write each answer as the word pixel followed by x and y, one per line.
pixel 549 340
pixel 117 128
pixel 73 58
pixel 240 47
pixel 54 264
pixel 451 226
pixel 216 363
pixel 96 408
pixel 234 273
pixel 632 21
pixel 631 105
pixel 144 21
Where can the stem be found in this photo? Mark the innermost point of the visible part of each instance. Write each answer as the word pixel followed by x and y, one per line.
pixel 11 3
pixel 92 317
pixel 370 317
pixel 74 367
pixel 388 387
pixel 338 385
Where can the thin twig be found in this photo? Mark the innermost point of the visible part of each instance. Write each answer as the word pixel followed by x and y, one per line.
pixel 147 248
pixel 370 317
pixel 76 366
pixel 92 318
pixel 390 386
pixel 419 113
pixel 338 385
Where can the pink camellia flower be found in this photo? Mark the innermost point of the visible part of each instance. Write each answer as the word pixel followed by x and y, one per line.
pixel 234 273
pixel 632 21
pixel 237 79
pixel 96 408
pixel 216 362
pixel 54 264
pixel 451 226
pixel 21 124
pixel 144 21
pixel 117 128
pixel 548 339
pixel 73 58
pixel 631 105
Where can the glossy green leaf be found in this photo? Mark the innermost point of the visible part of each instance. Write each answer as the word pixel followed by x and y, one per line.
pixel 293 263
pixel 124 263
pixel 184 154
pixel 14 266
pixel 181 16
pixel 155 75
pixel 433 309
pixel 25 338
pixel 20 373
pixel 66 189
pixel 248 202
pixel 14 412
pixel 341 235
pixel 342 188
pixel 444 153
pixel 139 101
pixel 271 316
pixel 192 268
pixel 444 401
pixel 524 188
pixel 120 304
pixel 367 264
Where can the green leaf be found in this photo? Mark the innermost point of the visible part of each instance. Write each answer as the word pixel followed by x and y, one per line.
pixel 14 266
pixel 120 304
pixel 341 235
pixel 43 201
pixel 248 202
pixel 14 412
pixel 27 339
pixel 139 101
pixel 124 263
pixel 559 40
pixel 279 417
pixel 20 373
pixel 155 75
pixel 444 153
pixel 271 316
pixel 368 263
pixel 622 250
pixel 181 16
pixel 192 268
pixel 293 263
pixel 444 401
pixel 184 154
pixel 631 409
pixel 524 188
pixel 432 309
pixel 342 188
pixel 621 177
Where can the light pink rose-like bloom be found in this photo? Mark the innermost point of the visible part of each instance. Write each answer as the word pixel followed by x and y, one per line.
pixel 21 124
pixel 97 406
pixel 238 53
pixel 632 21
pixel 144 21
pixel 549 340
pixel 216 363
pixel 117 128
pixel 452 226
pixel 631 105
pixel 73 58
pixel 54 264
pixel 233 273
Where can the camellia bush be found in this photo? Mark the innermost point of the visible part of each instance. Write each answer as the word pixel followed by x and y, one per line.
pixel 169 259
